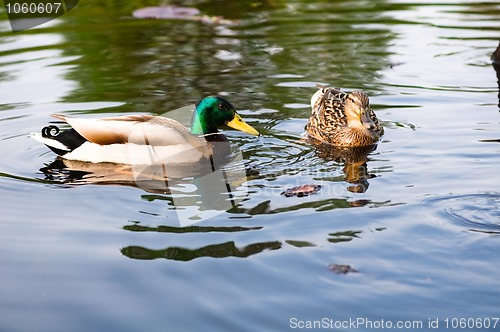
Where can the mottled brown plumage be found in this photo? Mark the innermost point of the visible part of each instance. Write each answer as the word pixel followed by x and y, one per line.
pixel 343 119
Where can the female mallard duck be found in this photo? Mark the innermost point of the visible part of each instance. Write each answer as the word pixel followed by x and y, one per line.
pixel 343 119
pixel 146 139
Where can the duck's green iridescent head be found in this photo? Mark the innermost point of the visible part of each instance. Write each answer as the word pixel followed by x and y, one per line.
pixel 214 112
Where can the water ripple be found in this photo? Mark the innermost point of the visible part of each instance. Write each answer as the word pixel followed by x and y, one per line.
pixel 471 212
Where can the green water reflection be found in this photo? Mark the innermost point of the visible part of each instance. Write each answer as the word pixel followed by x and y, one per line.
pixel 158 65
pixel 219 250
pixel 222 250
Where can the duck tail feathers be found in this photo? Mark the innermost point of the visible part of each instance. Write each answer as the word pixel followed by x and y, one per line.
pixel 59 142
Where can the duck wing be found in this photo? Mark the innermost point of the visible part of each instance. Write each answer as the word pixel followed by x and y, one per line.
pixel 137 129
pixel 328 107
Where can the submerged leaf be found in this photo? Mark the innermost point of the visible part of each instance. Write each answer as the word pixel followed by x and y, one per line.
pixel 341 269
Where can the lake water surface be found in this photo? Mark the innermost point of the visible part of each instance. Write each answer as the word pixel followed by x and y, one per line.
pixel 420 222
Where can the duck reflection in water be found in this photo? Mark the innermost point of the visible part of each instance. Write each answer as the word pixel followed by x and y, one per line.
pixel 153 178
pixel 354 160
pixel 193 194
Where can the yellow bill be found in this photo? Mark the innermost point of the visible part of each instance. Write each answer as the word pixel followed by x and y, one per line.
pixel 238 124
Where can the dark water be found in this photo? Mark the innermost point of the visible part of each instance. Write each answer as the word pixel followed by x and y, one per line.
pixel 420 223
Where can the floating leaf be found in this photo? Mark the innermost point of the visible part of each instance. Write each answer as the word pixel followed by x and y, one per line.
pixel 301 191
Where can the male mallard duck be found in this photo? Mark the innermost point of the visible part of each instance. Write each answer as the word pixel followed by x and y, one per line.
pixel 146 139
pixel 343 119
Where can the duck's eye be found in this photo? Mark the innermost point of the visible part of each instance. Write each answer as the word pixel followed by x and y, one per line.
pixel 220 106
